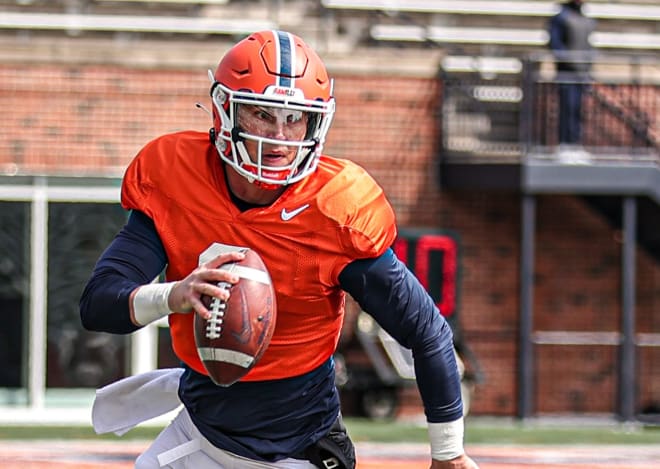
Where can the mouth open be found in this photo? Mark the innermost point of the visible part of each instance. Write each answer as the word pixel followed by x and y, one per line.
pixel 274 159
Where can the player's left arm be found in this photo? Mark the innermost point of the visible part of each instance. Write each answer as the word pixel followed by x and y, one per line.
pixel 388 291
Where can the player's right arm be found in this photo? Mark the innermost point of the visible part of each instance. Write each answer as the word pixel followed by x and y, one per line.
pixel 120 297
pixel 135 257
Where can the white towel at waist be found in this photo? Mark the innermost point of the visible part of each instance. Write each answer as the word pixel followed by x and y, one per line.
pixel 120 406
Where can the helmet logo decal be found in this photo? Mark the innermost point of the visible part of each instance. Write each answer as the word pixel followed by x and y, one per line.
pixel 284 91
pixel 286 56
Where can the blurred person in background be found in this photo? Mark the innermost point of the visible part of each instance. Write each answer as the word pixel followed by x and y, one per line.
pixel 569 32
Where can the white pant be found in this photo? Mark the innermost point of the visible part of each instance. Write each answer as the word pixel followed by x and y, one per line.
pixel 182 446
pixel 122 405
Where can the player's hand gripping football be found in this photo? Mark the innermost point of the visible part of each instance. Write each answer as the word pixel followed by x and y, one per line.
pixel 186 293
pixel 461 462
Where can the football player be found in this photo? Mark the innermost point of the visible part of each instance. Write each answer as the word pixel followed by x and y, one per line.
pixel 323 227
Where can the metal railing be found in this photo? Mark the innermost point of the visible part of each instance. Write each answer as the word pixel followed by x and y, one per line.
pixel 506 116
pixel 613 99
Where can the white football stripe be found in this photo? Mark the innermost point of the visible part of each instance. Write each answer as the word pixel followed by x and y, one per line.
pixel 225 355
pixel 248 273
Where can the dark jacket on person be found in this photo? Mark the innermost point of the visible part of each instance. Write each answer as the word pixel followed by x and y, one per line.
pixel 569 38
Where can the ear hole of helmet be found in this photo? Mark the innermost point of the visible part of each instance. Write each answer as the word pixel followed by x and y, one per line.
pixel 219 96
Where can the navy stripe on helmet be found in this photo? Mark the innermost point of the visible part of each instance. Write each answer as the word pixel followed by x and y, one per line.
pixel 286 59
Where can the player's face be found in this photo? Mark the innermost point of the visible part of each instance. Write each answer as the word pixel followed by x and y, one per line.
pixel 273 123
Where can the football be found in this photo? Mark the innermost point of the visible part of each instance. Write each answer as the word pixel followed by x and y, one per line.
pixel 233 340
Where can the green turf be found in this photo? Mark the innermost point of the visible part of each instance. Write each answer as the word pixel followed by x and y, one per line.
pixel 508 432
pixel 69 433
pixel 582 435
pixel 491 431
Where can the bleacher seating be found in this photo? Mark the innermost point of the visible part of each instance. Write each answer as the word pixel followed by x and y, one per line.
pixel 197 20
pixel 499 27
pixel 75 23
pixel 119 16
pixel 470 27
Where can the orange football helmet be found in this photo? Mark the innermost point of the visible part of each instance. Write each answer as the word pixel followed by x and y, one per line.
pixel 271 69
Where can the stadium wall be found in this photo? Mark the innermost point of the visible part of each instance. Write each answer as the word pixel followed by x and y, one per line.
pixel 91 119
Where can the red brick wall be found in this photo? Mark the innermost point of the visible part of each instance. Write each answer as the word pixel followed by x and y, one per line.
pixel 91 120
pixel 389 126
pixel 77 119
pixel 489 228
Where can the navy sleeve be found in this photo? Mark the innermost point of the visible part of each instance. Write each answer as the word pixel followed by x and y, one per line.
pixel 388 291
pixel 135 257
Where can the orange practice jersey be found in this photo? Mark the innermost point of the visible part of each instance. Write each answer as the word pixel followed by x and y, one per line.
pixel 306 238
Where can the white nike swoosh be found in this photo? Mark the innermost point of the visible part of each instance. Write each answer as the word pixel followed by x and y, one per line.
pixel 286 215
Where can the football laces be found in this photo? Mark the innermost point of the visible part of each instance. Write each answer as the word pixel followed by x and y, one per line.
pixel 218 307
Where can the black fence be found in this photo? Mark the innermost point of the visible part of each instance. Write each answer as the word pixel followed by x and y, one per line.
pixel 610 108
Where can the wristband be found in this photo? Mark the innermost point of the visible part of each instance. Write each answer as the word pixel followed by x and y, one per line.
pixel 446 439
pixel 150 302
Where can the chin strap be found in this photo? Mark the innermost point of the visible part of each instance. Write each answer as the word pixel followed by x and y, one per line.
pixel 236 135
